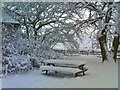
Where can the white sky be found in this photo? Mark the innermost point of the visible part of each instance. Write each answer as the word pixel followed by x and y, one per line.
pixel 86 44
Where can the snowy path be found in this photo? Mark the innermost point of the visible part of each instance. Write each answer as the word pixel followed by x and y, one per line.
pixel 99 75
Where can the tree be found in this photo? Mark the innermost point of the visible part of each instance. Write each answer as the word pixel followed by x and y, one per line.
pixel 45 22
pixel 102 16
pixel 59 22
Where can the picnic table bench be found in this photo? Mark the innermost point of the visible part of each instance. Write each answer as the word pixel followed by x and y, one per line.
pixel 75 67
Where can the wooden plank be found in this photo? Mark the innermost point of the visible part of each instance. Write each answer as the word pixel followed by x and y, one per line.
pixel 61 69
pixel 65 63
pixel 66 70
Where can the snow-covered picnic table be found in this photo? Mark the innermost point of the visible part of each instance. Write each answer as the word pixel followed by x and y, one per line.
pixel 67 63
pixel 74 67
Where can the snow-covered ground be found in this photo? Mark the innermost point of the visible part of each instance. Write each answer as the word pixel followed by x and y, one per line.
pixel 99 75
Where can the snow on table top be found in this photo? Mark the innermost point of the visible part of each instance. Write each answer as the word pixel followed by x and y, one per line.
pixel 61 69
pixel 68 62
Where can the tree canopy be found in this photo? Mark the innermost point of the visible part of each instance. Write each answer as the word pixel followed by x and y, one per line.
pixel 45 24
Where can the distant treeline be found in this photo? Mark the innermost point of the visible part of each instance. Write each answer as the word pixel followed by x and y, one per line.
pixel 84 52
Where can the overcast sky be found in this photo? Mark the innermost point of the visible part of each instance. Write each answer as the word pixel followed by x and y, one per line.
pixel 86 44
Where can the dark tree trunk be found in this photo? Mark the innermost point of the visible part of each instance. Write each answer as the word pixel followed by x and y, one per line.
pixel 115 47
pixel 102 39
pixel 102 42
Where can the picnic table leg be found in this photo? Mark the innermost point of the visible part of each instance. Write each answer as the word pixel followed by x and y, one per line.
pixel 83 71
pixel 46 72
pixel 82 68
pixel 76 75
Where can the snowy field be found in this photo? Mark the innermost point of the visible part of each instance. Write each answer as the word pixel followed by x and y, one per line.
pixel 99 75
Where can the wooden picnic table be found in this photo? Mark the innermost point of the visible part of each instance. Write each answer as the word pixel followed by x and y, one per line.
pixel 71 63
pixel 72 66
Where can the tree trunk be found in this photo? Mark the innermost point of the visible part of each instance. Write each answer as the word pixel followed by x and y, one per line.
pixel 102 39
pixel 102 42
pixel 115 47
